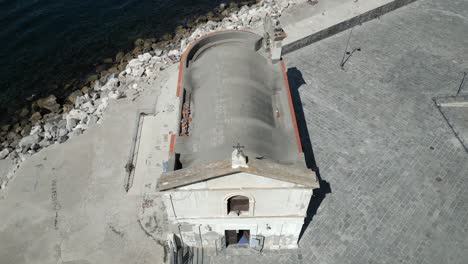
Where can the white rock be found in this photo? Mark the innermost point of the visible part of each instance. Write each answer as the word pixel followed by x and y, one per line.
pixel 138 72
pixel 36 130
pixel 75 132
pixel 144 57
pixel 183 44
pixel 62 132
pixel 62 139
pixel 81 127
pixel 13 155
pixel 116 95
pixel 102 101
pixel 111 76
pixel 76 114
pixel 158 52
pixel 48 127
pixel 48 135
pixel 71 123
pixel 255 19
pixel 4 153
pixel 27 142
pixel 45 143
pixel 23 156
pixel 111 84
pixel 88 107
pixel 62 124
pixel 79 101
pixel 234 18
pixel 150 71
pixel 284 4
pixel 97 86
pixel 92 120
pixel 244 16
pixel 170 60
pixel 135 63
pixel 155 60
pixel 102 104
pixel 175 53
pixel 210 25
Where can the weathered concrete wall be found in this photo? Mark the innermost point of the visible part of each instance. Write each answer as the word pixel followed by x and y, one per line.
pixel 277 232
pixel 213 203
pixel 276 210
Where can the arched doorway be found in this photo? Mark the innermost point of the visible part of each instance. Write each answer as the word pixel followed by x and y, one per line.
pixel 238 205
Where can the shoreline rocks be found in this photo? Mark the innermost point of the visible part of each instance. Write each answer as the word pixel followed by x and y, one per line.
pixel 53 121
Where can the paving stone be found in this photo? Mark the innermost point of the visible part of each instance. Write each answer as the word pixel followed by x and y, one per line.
pixel 397 173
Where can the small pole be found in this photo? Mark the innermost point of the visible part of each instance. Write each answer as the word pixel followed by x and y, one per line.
pixel 462 82
pixel 349 56
pixel 346 49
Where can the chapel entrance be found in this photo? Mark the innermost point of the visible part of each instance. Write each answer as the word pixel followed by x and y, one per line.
pixel 237 237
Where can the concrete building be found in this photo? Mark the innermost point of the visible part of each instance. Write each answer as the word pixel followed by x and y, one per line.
pixel 236 172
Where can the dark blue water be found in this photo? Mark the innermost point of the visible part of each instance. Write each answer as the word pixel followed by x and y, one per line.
pixel 44 43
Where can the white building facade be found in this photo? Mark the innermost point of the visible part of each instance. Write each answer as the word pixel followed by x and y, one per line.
pixel 274 214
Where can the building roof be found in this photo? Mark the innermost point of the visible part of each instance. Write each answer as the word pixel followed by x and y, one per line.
pixel 231 93
pixel 198 173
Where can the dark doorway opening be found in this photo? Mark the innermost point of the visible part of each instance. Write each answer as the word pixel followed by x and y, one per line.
pixel 237 237
pixel 238 204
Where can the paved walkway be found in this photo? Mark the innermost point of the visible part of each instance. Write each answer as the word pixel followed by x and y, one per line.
pixel 67 204
pixel 398 176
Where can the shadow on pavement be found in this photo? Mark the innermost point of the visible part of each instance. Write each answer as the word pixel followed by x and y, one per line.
pixel 295 81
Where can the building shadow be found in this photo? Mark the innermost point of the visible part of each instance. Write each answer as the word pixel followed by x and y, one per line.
pixel 295 82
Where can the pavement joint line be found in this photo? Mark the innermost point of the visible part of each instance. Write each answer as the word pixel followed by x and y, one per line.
pixel 455 132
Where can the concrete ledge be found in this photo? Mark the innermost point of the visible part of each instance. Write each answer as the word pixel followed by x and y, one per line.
pixel 452 101
pixel 338 19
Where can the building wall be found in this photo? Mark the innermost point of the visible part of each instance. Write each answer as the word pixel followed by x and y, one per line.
pixel 277 232
pixel 277 209
pixel 268 197
pixel 213 203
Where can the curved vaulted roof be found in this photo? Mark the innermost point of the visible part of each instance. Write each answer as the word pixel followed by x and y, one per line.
pixel 236 95
pixel 231 93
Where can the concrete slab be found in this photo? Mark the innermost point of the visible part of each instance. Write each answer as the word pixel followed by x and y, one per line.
pixel 67 204
pixel 452 101
pixel 155 131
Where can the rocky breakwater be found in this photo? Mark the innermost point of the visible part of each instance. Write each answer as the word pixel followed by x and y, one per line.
pixel 49 121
